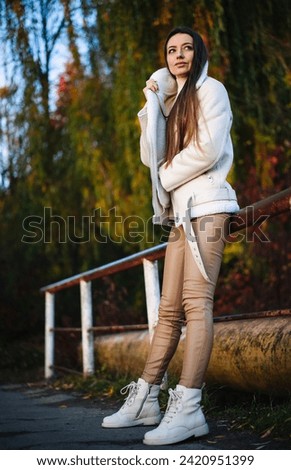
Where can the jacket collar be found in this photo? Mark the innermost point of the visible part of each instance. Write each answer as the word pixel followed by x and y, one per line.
pixel 168 89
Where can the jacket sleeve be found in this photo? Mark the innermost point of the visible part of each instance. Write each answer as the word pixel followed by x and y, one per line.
pixel 144 152
pixel 214 125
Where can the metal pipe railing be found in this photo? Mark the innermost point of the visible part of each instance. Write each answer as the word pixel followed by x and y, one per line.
pixel 250 216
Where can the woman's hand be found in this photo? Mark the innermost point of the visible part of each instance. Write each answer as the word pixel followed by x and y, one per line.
pixel 151 85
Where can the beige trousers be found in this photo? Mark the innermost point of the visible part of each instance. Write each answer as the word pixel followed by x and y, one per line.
pixel 188 297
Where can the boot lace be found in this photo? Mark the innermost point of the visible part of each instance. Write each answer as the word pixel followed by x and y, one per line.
pixel 174 405
pixel 132 390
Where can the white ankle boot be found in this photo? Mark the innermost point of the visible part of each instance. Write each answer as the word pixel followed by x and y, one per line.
pixel 140 407
pixel 183 418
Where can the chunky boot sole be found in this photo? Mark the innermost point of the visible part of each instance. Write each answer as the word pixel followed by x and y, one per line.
pixel 150 421
pixel 197 432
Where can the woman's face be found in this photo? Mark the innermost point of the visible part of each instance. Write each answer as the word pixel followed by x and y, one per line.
pixel 180 54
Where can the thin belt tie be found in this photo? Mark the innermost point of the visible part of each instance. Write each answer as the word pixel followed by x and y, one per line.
pixel 192 240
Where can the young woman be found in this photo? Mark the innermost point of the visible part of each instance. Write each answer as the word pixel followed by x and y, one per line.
pixel 186 143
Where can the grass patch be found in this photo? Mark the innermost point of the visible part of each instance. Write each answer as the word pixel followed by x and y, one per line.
pixel 101 385
pixel 266 415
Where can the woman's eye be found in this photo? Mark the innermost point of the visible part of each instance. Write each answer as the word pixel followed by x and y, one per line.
pixel 170 51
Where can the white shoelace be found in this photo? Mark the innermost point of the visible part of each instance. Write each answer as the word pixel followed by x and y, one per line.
pixel 174 405
pixel 132 390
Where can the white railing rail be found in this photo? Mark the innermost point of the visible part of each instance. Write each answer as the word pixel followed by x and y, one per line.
pixel 268 207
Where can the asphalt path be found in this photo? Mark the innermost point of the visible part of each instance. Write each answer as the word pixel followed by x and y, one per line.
pixel 40 417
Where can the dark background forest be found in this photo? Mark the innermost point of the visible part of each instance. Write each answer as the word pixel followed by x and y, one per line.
pixel 73 192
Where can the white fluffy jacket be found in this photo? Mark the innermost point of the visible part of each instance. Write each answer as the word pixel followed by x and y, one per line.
pixel 196 177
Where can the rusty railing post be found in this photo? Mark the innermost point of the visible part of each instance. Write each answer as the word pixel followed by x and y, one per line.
pixel 87 332
pixel 49 334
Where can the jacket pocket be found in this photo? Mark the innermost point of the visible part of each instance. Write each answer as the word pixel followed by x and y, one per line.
pixel 214 194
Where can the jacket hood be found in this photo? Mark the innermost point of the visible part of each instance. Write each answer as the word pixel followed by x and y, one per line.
pixel 203 76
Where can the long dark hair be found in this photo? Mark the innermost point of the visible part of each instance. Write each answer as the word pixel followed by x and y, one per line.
pixel 182 124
